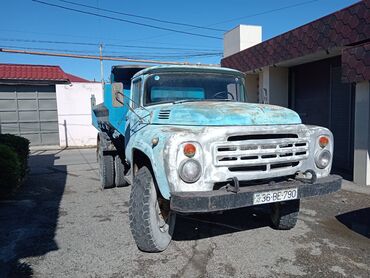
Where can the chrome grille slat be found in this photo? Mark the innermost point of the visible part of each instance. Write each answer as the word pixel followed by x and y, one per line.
pixel 265 141
pixel 264 161
pixel 262 152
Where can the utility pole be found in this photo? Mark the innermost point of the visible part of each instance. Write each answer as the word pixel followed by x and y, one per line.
pixel 101 65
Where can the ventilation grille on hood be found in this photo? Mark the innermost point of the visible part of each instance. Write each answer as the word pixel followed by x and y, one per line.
pixel 164 114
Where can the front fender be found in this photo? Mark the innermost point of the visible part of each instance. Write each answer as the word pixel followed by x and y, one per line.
pixel 156 155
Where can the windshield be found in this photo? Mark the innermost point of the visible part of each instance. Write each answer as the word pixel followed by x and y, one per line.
pixel 178 87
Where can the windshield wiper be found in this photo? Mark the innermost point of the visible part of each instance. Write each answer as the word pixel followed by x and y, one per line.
pixel 186 100
pixel 219 99
pixel 193 100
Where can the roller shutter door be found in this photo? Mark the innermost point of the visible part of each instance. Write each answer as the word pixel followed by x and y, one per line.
pixel 320 98
pixel 30 111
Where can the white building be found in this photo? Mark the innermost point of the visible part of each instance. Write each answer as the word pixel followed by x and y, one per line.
pixel 74 113
pixel 47 105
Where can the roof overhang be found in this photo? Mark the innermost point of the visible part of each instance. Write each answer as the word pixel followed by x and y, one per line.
pixel 320 55
pixel 323 38
pixel 32 82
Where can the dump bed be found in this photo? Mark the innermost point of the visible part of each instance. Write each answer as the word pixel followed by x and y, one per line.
pixel 106 115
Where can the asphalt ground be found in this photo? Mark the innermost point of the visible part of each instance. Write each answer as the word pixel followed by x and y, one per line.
pixel 60 224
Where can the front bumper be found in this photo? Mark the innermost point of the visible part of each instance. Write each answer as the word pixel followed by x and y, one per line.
pixel 218 200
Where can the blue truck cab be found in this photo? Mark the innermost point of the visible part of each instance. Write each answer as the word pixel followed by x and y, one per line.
pixel 187 141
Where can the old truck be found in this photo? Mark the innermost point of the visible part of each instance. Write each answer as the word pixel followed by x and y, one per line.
pixel 188 141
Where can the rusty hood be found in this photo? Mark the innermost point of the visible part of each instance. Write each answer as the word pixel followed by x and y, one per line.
pixel 222 113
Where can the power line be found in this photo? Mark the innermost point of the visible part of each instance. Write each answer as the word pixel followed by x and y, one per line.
pixel 143 17
pixel 244 17
pixel 182 56
pixel 133 55
pixel 95 57
pixel 265 12
pixel 97 44
pixel 143 47
pixel 48 49
pixel 127 21
pixel 48 41
pixel 157 47
pixel 85 37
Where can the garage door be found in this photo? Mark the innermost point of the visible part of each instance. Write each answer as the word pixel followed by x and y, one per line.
pixel 31 112
pixel 322 99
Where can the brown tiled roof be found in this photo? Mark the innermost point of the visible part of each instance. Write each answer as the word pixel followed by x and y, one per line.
pixel 356 63
pixel 74 78
pixel 345 27
pixel 32 72
pixel 22 72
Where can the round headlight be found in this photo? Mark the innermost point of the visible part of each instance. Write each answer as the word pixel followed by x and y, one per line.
pixel 190 170
pixel 323 159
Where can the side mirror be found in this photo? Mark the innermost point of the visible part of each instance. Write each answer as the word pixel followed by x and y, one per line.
pixel 117 94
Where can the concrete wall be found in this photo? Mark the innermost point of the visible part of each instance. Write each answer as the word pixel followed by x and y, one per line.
pixel 279 86
pixel 274 86
pixel 74 113
pixel 240 38
pixel 361 170
pixel 251 84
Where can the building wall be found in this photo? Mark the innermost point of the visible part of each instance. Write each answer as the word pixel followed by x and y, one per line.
pixel 251 84
pixel 279 83
pixel 362 134
pixel 274 86
pixel 241 37
pixel 74 113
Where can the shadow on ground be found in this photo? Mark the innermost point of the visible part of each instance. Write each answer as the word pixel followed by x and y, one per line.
pixel 28 220
pixel 198 226
pixel 357 221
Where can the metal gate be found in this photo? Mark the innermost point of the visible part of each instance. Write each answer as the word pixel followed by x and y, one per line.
pixel 31 112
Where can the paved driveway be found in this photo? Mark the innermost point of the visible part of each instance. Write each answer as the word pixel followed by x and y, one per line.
pixel 62 225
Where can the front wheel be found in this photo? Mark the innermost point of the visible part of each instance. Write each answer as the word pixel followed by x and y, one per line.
pixel 151 221
pixel 284 215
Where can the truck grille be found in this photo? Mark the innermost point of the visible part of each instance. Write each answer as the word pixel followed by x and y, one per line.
pixel 261 152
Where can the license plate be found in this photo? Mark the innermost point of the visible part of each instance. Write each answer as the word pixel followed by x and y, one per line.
pixel 275 196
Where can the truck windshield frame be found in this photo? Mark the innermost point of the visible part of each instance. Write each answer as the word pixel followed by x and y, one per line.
pixel 175 87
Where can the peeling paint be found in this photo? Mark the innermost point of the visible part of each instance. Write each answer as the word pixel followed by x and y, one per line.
pixel 213 113
pixel 167 155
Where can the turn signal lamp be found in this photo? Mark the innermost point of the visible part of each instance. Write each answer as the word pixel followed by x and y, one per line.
pixel 189 150
pixel 323 141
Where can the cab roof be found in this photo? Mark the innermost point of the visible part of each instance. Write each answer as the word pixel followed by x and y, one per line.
pixel 182 68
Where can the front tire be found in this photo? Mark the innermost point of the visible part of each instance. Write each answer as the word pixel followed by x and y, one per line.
pixel 151 221
pixel 284 215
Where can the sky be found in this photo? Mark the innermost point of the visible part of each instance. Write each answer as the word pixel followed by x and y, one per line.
pixel 28 24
